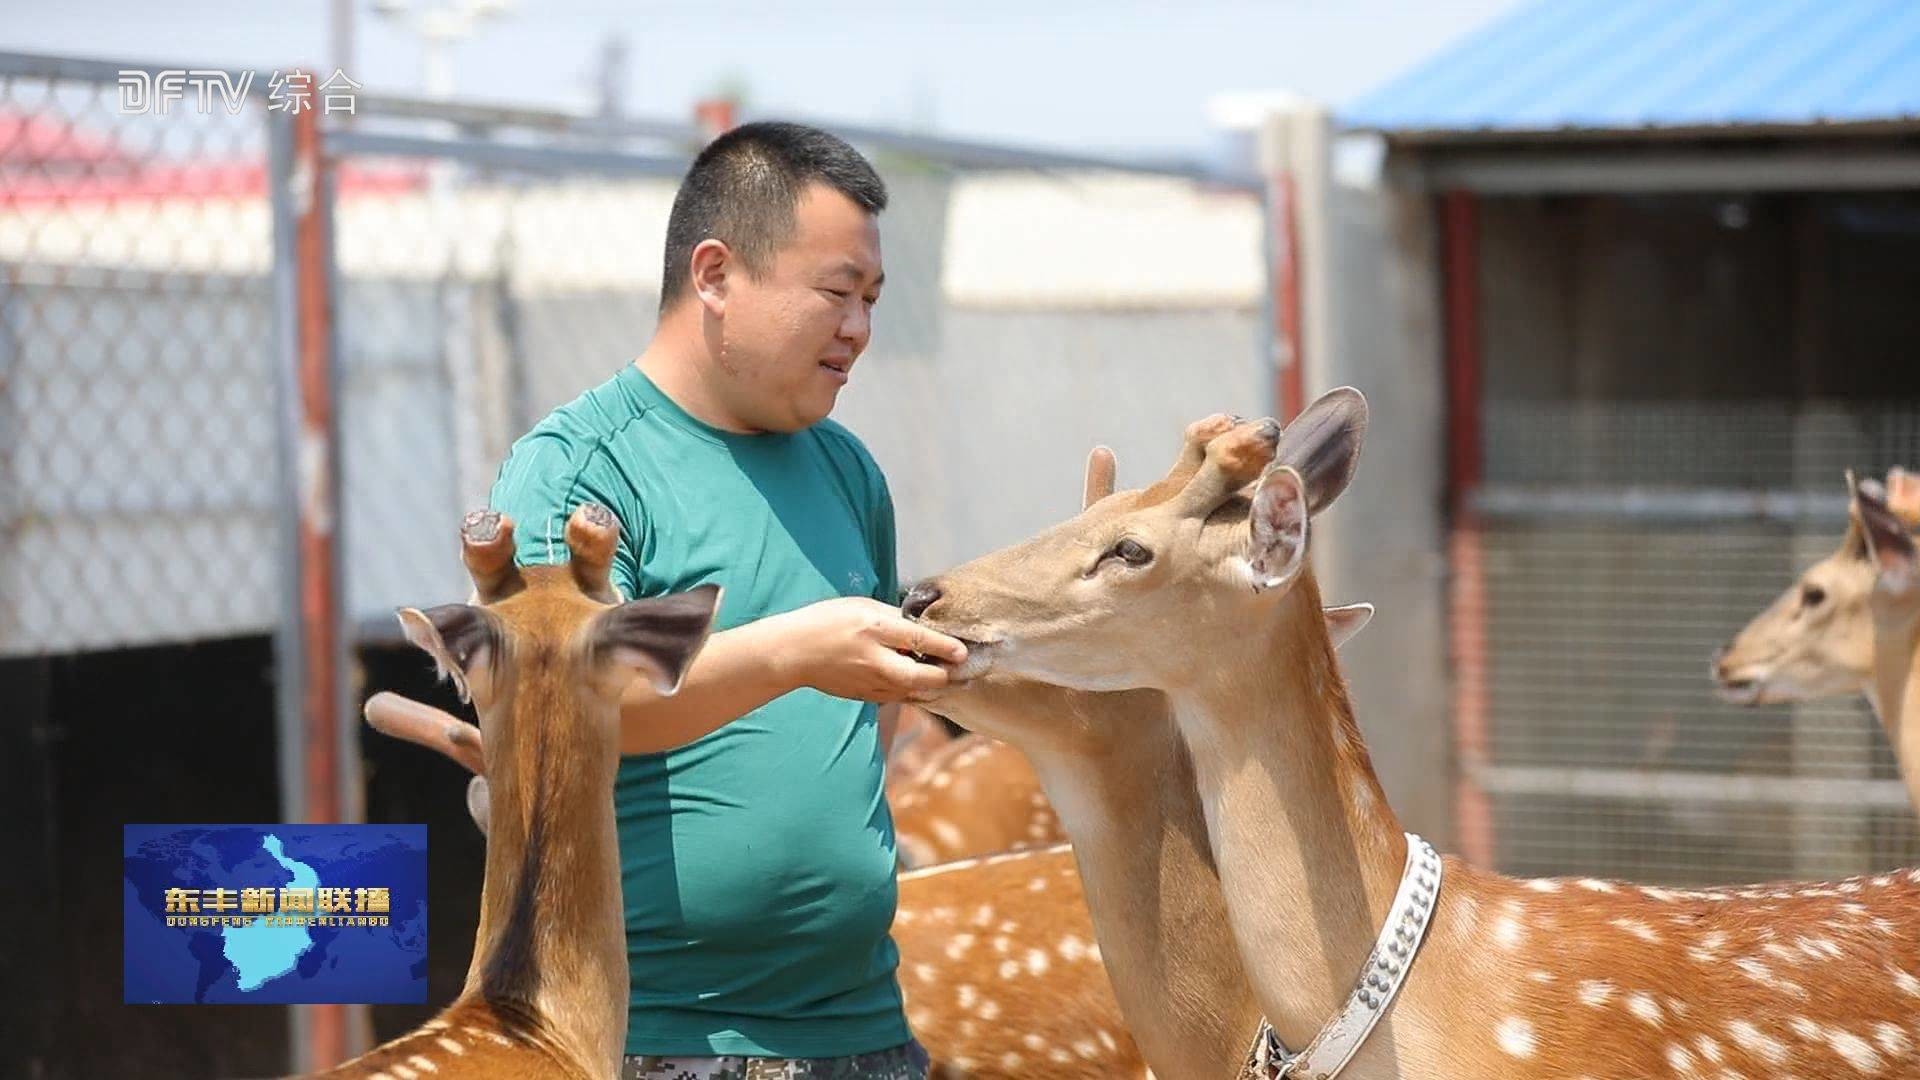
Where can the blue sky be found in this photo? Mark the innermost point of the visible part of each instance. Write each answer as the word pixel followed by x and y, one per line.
pixel 1116 76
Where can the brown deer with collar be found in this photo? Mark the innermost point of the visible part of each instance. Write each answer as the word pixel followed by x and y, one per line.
pixel 1208 598
pixel 543 656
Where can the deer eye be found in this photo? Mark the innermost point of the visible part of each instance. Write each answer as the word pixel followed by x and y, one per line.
pixel 1813 596
pixel 1131 552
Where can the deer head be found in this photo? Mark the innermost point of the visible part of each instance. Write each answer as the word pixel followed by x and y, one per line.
pixel 551 645
pixel 1816 640
pixel 1090 603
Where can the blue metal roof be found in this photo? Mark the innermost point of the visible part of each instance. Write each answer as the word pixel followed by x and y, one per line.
pixel 1631 64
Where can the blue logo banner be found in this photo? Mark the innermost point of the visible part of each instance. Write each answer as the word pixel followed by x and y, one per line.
pixel 275 914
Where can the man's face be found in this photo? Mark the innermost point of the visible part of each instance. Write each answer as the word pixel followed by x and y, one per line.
pixel 789 337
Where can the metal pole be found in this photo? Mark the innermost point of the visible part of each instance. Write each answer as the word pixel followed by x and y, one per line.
pixel 319 783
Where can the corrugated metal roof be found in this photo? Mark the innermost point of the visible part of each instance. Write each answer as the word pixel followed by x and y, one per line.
pixel 1613 65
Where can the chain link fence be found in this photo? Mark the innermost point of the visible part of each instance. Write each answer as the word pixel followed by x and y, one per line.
pixel 138 406
pixel 1621 544
pixel 490 265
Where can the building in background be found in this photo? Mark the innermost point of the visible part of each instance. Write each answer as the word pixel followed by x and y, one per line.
pixel 1656 261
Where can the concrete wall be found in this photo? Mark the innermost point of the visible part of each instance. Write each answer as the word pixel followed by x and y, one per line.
pixel 1384 541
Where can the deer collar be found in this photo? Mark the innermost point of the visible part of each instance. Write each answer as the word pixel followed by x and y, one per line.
pixel 1373 993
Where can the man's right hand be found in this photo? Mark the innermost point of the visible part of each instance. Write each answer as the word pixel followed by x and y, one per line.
pixel 852 648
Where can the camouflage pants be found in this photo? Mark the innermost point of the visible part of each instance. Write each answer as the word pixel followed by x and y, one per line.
pixel 907 1062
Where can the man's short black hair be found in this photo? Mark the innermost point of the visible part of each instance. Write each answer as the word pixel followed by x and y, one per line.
pixel 743 188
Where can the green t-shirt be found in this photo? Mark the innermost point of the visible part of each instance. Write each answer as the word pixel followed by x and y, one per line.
pixel 757 862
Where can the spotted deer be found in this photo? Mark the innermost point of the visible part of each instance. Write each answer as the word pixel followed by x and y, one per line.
pixel 1208 597
pixel 543 656
pixel 1000 965
pixel 1114 765
pixel 976 796
pixel 1818 639
pixel 917 738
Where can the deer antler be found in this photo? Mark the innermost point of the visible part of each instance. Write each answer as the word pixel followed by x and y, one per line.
pixel 592 535
pixel 1193 454
pixel 1100 474
pixel 1233 460
pixel 486 546
pixel 1903 496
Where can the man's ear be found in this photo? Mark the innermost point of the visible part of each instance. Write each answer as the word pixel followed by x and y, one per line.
pixel 707 269
pixel 657 637
pixel 461 639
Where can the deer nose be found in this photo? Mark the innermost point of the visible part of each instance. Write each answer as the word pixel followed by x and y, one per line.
pixel 919 598
pixel 1718 665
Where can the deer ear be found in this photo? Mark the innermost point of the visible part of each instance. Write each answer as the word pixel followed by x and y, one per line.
pixel 657 637
pixel 461 639
pixel 1323 444
pixel 1278 523
pixel 1346 621
pixel 479 803
pixel 1889 546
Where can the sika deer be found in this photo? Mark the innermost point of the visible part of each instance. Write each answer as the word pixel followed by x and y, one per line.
pixel 1208 597
pixel 544 657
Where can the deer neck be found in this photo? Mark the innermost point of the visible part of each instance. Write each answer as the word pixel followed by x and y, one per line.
pixel 1139 837
pixel 1896 663
pixel 551 939
pixel 1308 850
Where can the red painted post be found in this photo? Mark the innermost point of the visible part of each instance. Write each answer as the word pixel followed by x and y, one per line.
pixel 716 116
pixel 319 781
pixel 1283 275
pixel 1467 609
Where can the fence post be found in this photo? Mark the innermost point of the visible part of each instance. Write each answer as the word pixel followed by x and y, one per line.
pixel 318 742
pixel 1467 623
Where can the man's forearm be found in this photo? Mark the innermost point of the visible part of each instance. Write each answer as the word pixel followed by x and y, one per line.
pixel 737 672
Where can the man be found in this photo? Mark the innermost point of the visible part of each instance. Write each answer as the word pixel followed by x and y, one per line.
pixel 757 852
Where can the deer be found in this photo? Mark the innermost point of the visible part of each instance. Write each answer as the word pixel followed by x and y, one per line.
pixel 916 739
pixel 1819 638
pixel 1370 955
pixel 543 656
pixel 975 796
pixel 1019 989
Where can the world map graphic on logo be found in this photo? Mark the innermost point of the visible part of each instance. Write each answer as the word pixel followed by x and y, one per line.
pixel 275 914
